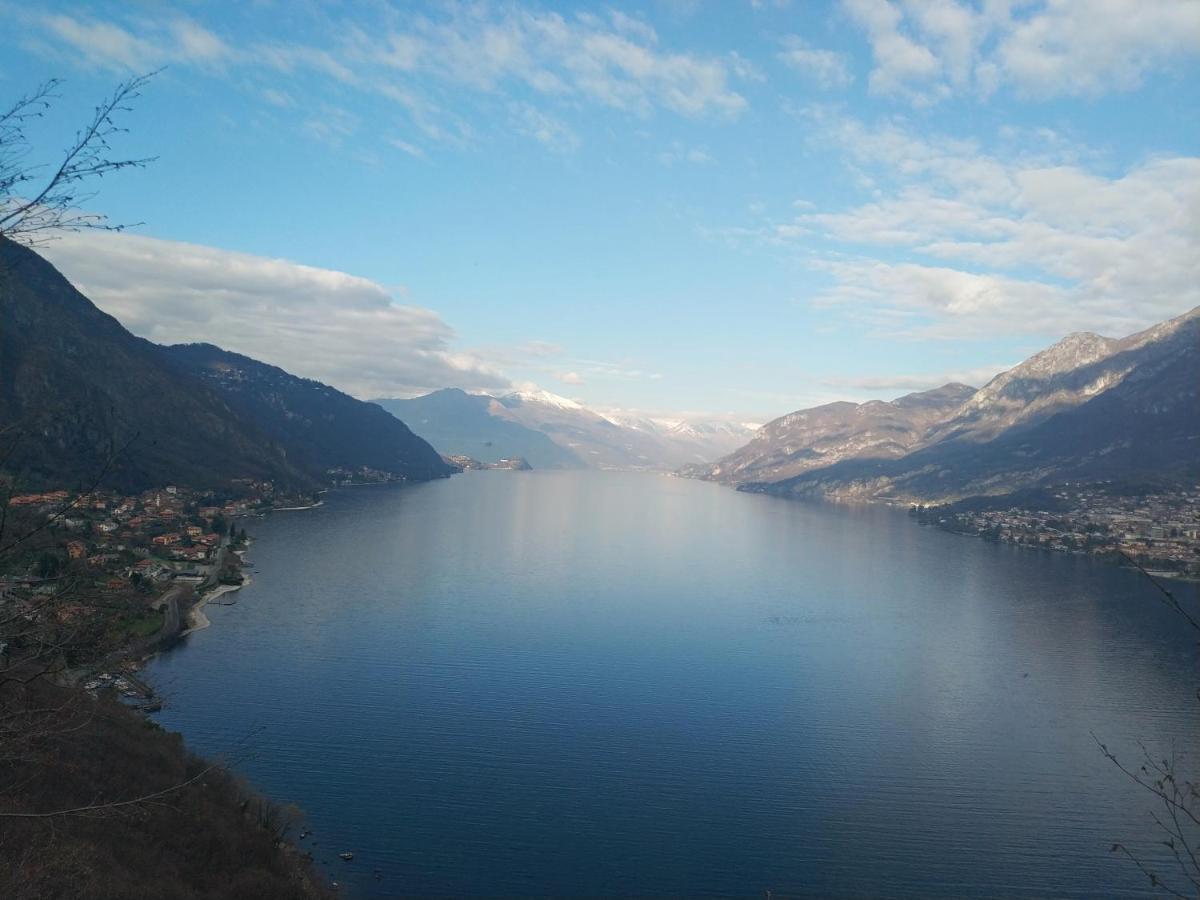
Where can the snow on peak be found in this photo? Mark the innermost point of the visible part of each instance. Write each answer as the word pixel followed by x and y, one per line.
pixel 545 398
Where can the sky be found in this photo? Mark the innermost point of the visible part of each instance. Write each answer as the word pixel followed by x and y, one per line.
pixel 731 207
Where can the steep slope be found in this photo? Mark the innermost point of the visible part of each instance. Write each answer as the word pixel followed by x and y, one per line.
pixel 74 384
pixel 1060 377
pixel 474 425
pixel 816 438
pixel 1087 409
pixel 320 427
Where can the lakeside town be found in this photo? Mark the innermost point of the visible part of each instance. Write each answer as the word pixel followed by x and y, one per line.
pixel 122 575
pixel 1158 531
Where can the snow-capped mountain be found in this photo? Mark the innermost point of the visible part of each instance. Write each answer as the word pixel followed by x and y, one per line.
pixel 552 431
pixel 622 438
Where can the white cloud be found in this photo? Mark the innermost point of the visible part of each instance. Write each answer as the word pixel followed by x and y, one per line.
pixel 614 61
pixel 899 60
pixel 108 45
pixel 570 378
pixel 1032 244
pixel 406 147
pixel 921 301
pixel 331 124
pixel 546 129
pixel 337 328
pixel 198 44
pixel 1075 47
pixel 574 61
pixel 278 98
pixel 680 153
pixel 103 44
pixel 926 50
pixel 827 68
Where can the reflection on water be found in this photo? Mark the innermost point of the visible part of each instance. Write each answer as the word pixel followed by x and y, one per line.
pixel 600 683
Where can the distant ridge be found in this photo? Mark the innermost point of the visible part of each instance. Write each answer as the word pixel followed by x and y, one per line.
pixel 815 438
pixel 320 427
pixel 462 424
pixel 1088 408
pixel 551 431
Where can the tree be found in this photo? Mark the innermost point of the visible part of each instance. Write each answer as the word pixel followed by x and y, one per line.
pixel 52 792
pixel 39 200
pixel 1177 796
pixel 41 634
pixel 48 565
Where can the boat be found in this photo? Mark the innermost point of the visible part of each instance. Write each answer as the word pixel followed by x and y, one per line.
pixel 347 856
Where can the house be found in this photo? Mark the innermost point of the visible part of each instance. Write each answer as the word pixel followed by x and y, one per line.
pixel 76 549
pixel 163 540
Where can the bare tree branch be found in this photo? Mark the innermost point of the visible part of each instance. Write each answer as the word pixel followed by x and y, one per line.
pixel 33 206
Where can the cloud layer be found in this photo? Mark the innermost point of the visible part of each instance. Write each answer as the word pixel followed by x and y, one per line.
pixel 957 242
pixel 927 50
pixel 412 60
pixel 337 328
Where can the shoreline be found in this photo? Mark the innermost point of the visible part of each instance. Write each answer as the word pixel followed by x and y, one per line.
pixel 197 620
pixel 1109 555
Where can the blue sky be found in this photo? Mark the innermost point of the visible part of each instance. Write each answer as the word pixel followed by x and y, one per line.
pixel 727 207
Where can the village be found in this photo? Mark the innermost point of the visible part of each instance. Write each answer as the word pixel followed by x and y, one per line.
pixel 1159 531
pixel 122 574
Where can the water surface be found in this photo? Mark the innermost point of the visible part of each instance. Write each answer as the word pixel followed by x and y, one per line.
pixel 600 683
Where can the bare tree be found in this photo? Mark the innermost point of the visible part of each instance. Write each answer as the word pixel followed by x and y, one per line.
pixel 1178 797
pixel 39 638
pixel 38 200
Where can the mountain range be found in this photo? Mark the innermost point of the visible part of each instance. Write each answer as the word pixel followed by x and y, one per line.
pixel 1089 408
pixel 319 427
pixel 551 431
pixel 478 426
pixel 83 400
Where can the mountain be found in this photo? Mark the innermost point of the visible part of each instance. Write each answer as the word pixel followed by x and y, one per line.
pixel 320 427
pixel 555 432
pixel 623 440
pixel 1088 408
pixel 75 386
pixel 815 438
pixel 596 440
pixel 685 441
pixel 84 399
pixel 478 426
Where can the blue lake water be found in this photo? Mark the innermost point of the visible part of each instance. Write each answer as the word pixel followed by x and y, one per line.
pixel 606 684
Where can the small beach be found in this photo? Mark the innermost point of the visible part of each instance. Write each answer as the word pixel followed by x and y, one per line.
pixel 197 620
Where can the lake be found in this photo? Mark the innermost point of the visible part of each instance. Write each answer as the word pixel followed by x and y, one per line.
pixel 593 683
